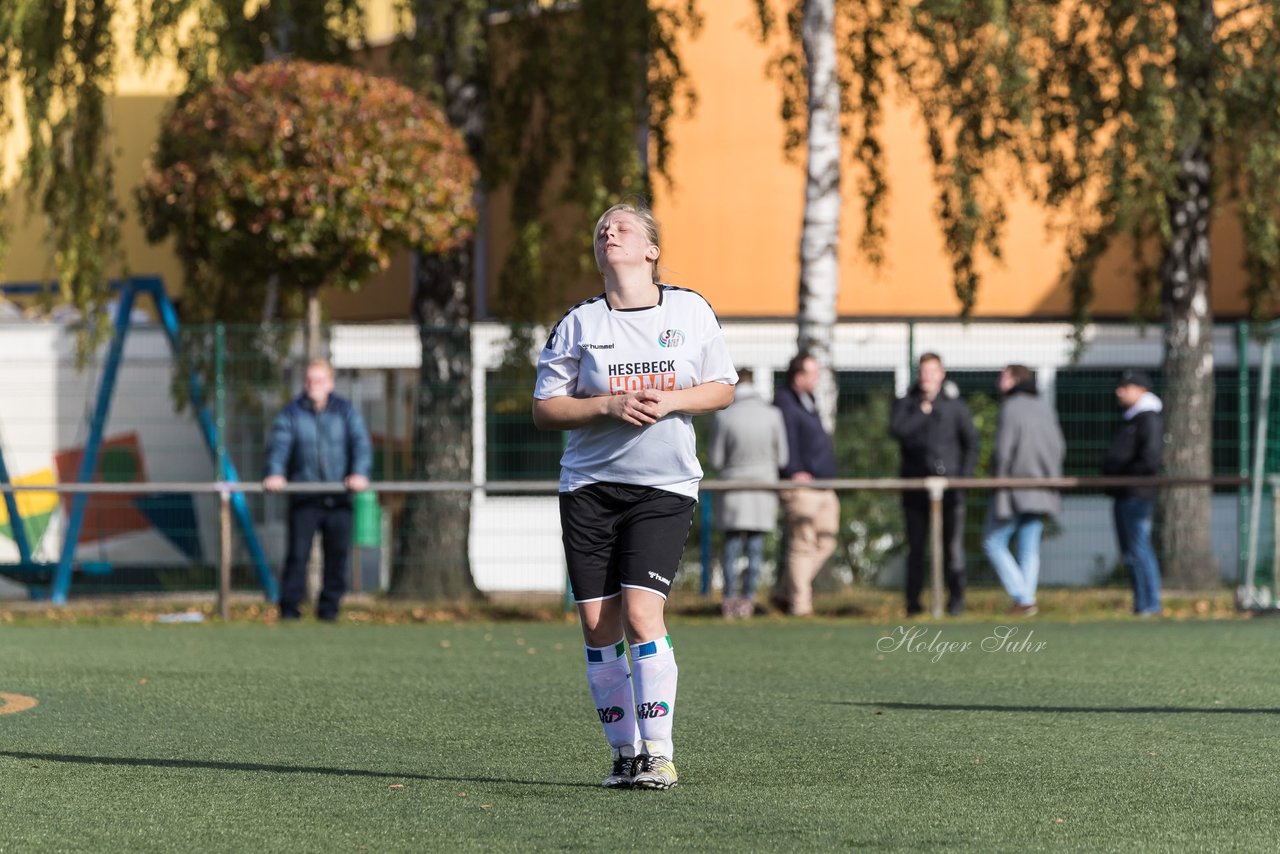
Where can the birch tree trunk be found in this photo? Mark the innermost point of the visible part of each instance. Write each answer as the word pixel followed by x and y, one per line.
pixel 819 265
pixel 1186 545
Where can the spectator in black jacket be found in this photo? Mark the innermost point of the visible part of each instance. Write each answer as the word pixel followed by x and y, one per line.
pixel 812 515
pixel 936 434
pixel 1136 450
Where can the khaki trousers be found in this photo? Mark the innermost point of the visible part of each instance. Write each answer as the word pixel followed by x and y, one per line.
pixel 813 519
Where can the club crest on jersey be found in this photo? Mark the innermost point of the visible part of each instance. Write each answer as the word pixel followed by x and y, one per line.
pixel 613 714
pixel 653 710
pixel 671 338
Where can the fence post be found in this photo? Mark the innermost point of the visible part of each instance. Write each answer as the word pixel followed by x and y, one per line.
pixel 220 463
pixel 911 353
pixel 1242 420
pixel 1259 460
pixel 704 542
pixel 936 486
pixel 224 554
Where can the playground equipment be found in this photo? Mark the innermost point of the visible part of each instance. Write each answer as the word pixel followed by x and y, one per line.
pixel 53 580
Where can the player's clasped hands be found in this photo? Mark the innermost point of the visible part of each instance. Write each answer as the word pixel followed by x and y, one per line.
pixel 641 408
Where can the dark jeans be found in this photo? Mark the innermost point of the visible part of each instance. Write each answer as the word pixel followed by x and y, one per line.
pixel 733 545
pixel 915 507
pixel 332 518
pixel 1132 516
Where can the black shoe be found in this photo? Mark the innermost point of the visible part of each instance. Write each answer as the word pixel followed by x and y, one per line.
pixel 914 610
pixel 290 614
pixel 327 618
pixel 955 607
pixel 624 769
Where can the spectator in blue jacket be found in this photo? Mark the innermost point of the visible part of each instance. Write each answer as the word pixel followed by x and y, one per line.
pixel 318 438
pixel 812 515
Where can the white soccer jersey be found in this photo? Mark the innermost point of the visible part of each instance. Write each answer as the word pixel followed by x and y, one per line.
pixel 595 350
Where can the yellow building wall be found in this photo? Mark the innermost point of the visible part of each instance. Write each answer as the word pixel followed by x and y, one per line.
pixel 135 111
pixel 731 222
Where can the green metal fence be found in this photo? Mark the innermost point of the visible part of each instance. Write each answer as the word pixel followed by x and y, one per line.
pixel 250 372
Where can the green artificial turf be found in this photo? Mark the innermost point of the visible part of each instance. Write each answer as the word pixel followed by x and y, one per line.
pixel 791 735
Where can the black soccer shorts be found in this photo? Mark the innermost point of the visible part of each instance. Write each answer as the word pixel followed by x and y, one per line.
pixel 616 535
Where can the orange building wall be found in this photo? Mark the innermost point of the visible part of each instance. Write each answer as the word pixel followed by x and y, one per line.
pixel 731 223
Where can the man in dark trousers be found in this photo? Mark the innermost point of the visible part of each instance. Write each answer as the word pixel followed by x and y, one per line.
pixel 812 515
pixel 1137 449
pixel 319 437
pixel 936 434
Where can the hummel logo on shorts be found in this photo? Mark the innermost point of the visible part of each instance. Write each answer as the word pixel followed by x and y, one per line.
pixel 657 577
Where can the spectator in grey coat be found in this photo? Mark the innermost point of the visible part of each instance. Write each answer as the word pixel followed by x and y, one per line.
pixel 1029 443
pixel 748 442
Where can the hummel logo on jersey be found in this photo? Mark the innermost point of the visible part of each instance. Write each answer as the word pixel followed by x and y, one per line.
pixel 653 710
pixel 657 577
pixel 610 715
pixel 597 346
pixel 671 338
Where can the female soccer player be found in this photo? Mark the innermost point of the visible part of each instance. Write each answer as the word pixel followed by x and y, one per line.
pixel 624 372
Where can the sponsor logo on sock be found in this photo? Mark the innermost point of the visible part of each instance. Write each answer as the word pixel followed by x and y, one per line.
pixel 653 710
pixel 657 577
pixel 610 715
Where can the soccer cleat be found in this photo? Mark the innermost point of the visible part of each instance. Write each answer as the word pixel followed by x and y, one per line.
pixel 654 772
pixel 624 768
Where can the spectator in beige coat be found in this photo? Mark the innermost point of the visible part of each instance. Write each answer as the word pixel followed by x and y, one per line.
pixel 748 442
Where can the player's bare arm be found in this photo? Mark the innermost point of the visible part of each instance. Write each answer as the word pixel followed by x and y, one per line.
pixel 696 400
pixel 569 413
pixel 639 408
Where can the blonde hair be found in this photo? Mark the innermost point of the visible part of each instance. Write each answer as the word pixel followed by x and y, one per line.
pixel 647 221
pixel 320 363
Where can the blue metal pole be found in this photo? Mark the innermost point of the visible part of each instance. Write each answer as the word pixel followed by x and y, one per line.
pixel 1242 420
pixel 226 469
pixel 89 461
pixel 16 524
pixel 704 542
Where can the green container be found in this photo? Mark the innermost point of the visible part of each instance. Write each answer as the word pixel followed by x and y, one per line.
pixel 368 520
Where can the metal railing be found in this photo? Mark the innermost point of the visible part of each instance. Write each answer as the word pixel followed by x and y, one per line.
pixel 934 486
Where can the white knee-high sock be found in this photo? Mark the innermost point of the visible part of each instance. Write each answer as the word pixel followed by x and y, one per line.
pixel 609 678
pixel 655 687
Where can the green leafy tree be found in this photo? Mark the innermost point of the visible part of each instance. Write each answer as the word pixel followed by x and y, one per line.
pixel 314 175
pixel 563 106
pixel 587 92
pixel 62 57
pixel 1135 122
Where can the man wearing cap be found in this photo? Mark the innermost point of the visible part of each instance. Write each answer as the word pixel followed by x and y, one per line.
pixel 1136 450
